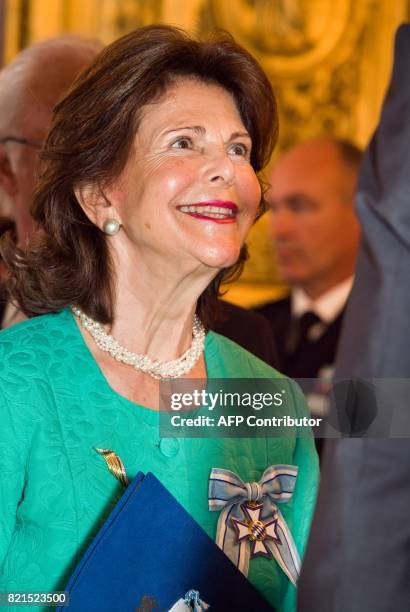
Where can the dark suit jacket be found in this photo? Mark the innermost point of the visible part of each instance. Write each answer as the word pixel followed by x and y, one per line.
pixel 249 330
pixel 358 556
pixel 307 362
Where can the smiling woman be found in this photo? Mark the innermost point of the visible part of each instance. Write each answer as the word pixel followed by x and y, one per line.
pixel 148 189
pixel 188 188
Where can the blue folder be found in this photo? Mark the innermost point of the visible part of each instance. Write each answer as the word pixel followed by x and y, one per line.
pixel 149 553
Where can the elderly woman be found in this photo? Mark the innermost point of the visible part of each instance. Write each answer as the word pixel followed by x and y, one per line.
pixel 147 193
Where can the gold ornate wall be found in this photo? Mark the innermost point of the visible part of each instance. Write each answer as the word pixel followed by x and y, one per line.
pixel 329 61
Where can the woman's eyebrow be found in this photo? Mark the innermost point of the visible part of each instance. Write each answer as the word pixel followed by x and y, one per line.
pixel 240 135
pixel 198 129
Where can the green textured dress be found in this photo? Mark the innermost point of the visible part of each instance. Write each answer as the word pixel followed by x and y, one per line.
pixel 55 489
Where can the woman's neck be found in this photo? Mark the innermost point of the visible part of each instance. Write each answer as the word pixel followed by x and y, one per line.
pixel 154 312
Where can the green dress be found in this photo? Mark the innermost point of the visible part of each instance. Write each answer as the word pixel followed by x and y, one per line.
pixel 55 489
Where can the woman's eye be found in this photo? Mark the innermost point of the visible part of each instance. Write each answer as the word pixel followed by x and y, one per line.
pixel 240 149
pixel 182 143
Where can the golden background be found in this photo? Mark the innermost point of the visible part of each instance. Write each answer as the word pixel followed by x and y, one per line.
pixel 329 62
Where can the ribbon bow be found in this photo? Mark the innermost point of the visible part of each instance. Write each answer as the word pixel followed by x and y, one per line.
pixel 250 523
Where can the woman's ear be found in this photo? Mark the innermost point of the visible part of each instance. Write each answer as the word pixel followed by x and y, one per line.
pixel 95 204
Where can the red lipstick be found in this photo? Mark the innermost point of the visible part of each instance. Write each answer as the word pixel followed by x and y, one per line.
pixel 218 211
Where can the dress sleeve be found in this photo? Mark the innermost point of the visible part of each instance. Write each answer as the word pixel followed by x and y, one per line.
pixel 13 455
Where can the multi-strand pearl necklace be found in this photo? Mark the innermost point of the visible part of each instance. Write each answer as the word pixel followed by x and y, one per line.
pixel 161 370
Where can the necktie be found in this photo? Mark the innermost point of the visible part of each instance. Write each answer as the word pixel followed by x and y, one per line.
pixel 299 331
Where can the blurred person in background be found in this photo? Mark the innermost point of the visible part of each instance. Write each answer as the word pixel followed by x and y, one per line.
pixel 30 87
pixel 316 236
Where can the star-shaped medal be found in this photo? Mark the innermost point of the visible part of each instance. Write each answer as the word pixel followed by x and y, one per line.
pixel 255 530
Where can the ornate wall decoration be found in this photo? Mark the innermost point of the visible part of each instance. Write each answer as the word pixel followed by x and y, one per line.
pixel 290 36
pixel 120 16
pixel 313 51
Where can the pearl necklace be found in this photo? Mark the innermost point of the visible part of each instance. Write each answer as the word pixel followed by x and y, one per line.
pixel 161 370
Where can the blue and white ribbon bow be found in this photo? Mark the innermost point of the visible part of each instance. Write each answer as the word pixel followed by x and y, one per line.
pixel 250 523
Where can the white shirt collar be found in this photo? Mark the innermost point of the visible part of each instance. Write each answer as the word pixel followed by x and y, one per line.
pixel 327 307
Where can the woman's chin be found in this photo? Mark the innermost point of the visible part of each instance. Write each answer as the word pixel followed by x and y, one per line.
pixel 219 258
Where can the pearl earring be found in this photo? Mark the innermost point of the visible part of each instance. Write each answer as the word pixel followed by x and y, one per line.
pixel 111 227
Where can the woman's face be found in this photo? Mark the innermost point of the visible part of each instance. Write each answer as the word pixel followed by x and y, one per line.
pixel 188 192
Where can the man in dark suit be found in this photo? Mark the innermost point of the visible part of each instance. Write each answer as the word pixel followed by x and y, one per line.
pixel 358 556
pixel 316 234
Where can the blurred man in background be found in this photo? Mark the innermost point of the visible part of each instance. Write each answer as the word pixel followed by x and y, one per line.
pixel 316 237
pixel 30 86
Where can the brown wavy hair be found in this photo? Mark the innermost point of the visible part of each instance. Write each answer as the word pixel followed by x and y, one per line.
pixel 89 143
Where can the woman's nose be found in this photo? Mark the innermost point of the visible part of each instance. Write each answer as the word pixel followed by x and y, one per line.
pixel 219 168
